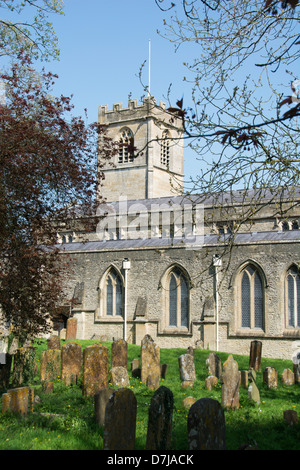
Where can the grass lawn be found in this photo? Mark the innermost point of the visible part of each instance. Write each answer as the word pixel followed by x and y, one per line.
pixel 64 419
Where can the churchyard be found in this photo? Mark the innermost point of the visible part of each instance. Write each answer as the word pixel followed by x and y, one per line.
pixel 77 395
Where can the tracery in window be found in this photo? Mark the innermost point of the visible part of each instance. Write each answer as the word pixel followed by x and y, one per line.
pixel 126 146
pixel 178 299
pixel 292 297
pixel 251 298
pixel 111 294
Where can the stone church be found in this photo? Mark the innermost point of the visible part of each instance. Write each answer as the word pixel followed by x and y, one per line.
pixel 172 265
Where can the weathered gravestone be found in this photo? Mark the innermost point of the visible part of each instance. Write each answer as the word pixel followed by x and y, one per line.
pixel 253 392
pixel 287 377
pixel 255 355
pixel 244 378
pixel 18 400
pixel 187 370
pixel 206 425
pixel 230 384
pixel 188 402
pixel 100 401
pixel 95 369
pixel 163 370
pixel 160 420
pixel 150 363
pixel 214 365
pixel 118 377
pixel 120 421
pixel 71 361
pixel 50 365
pixel 24 368
pixel 290 417
pixel 53 342
pixel 119 353
pixel 71 332
pixel 270 377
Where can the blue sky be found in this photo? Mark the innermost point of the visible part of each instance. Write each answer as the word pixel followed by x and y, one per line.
pixel 103 44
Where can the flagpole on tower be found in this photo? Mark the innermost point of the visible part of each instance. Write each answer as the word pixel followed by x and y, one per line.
pixel 149 71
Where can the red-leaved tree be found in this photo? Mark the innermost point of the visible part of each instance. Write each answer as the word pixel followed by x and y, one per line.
pixel 48 168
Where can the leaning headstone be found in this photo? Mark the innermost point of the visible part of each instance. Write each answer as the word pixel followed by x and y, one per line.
pixel 150 363
pixel 270 377
pixel 206 426
pixel 190 350
pixel 24 368
pixel 187 370
pixel 211 382
pixel 160 420
pixel 253 392
pixel 71 332
pixel 95 369
pixel 214 365
pixel 18 400
pixel 71 360
pixel 288 377
pixel 53 342
pixel 119 353
pixel 100 401
pixel 50 365
pixel 230 384
pixel 296 371
pixel 119 377
pixel 120 421
pixel 255 355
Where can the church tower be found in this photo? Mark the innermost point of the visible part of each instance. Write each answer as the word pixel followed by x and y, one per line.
pixel 150 162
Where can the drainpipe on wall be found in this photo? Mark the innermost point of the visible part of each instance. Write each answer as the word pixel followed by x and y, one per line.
pixel 126 267
pixel 217 263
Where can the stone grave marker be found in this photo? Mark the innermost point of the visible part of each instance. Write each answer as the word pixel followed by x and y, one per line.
pixel 118 376
pixel 120 421
pixel 211 382
pixel 71 332
pixel 24 367
pixel 160 416
pixel 187 370
pixel 253 392
pixel 206 426
pixel 255 355
pixel 270 377
pixel 287 377
pixel 150 363
pixel 18 400
pixel 119 353
pixel 100 401
pixel 71 361
pixel 214 365
pixel 50 365
pixel 95 369
pixel 244 378
pixel 230 384
pixel 135 368
pixel 290 417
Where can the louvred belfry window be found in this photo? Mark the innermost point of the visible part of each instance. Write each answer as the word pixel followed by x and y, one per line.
pixel 126 146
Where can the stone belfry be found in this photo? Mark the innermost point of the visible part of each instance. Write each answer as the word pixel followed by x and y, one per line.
pixel 150 160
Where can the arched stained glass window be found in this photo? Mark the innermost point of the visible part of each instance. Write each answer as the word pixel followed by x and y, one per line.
pixel 292 296
pixel 178 299
pixel 252 298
